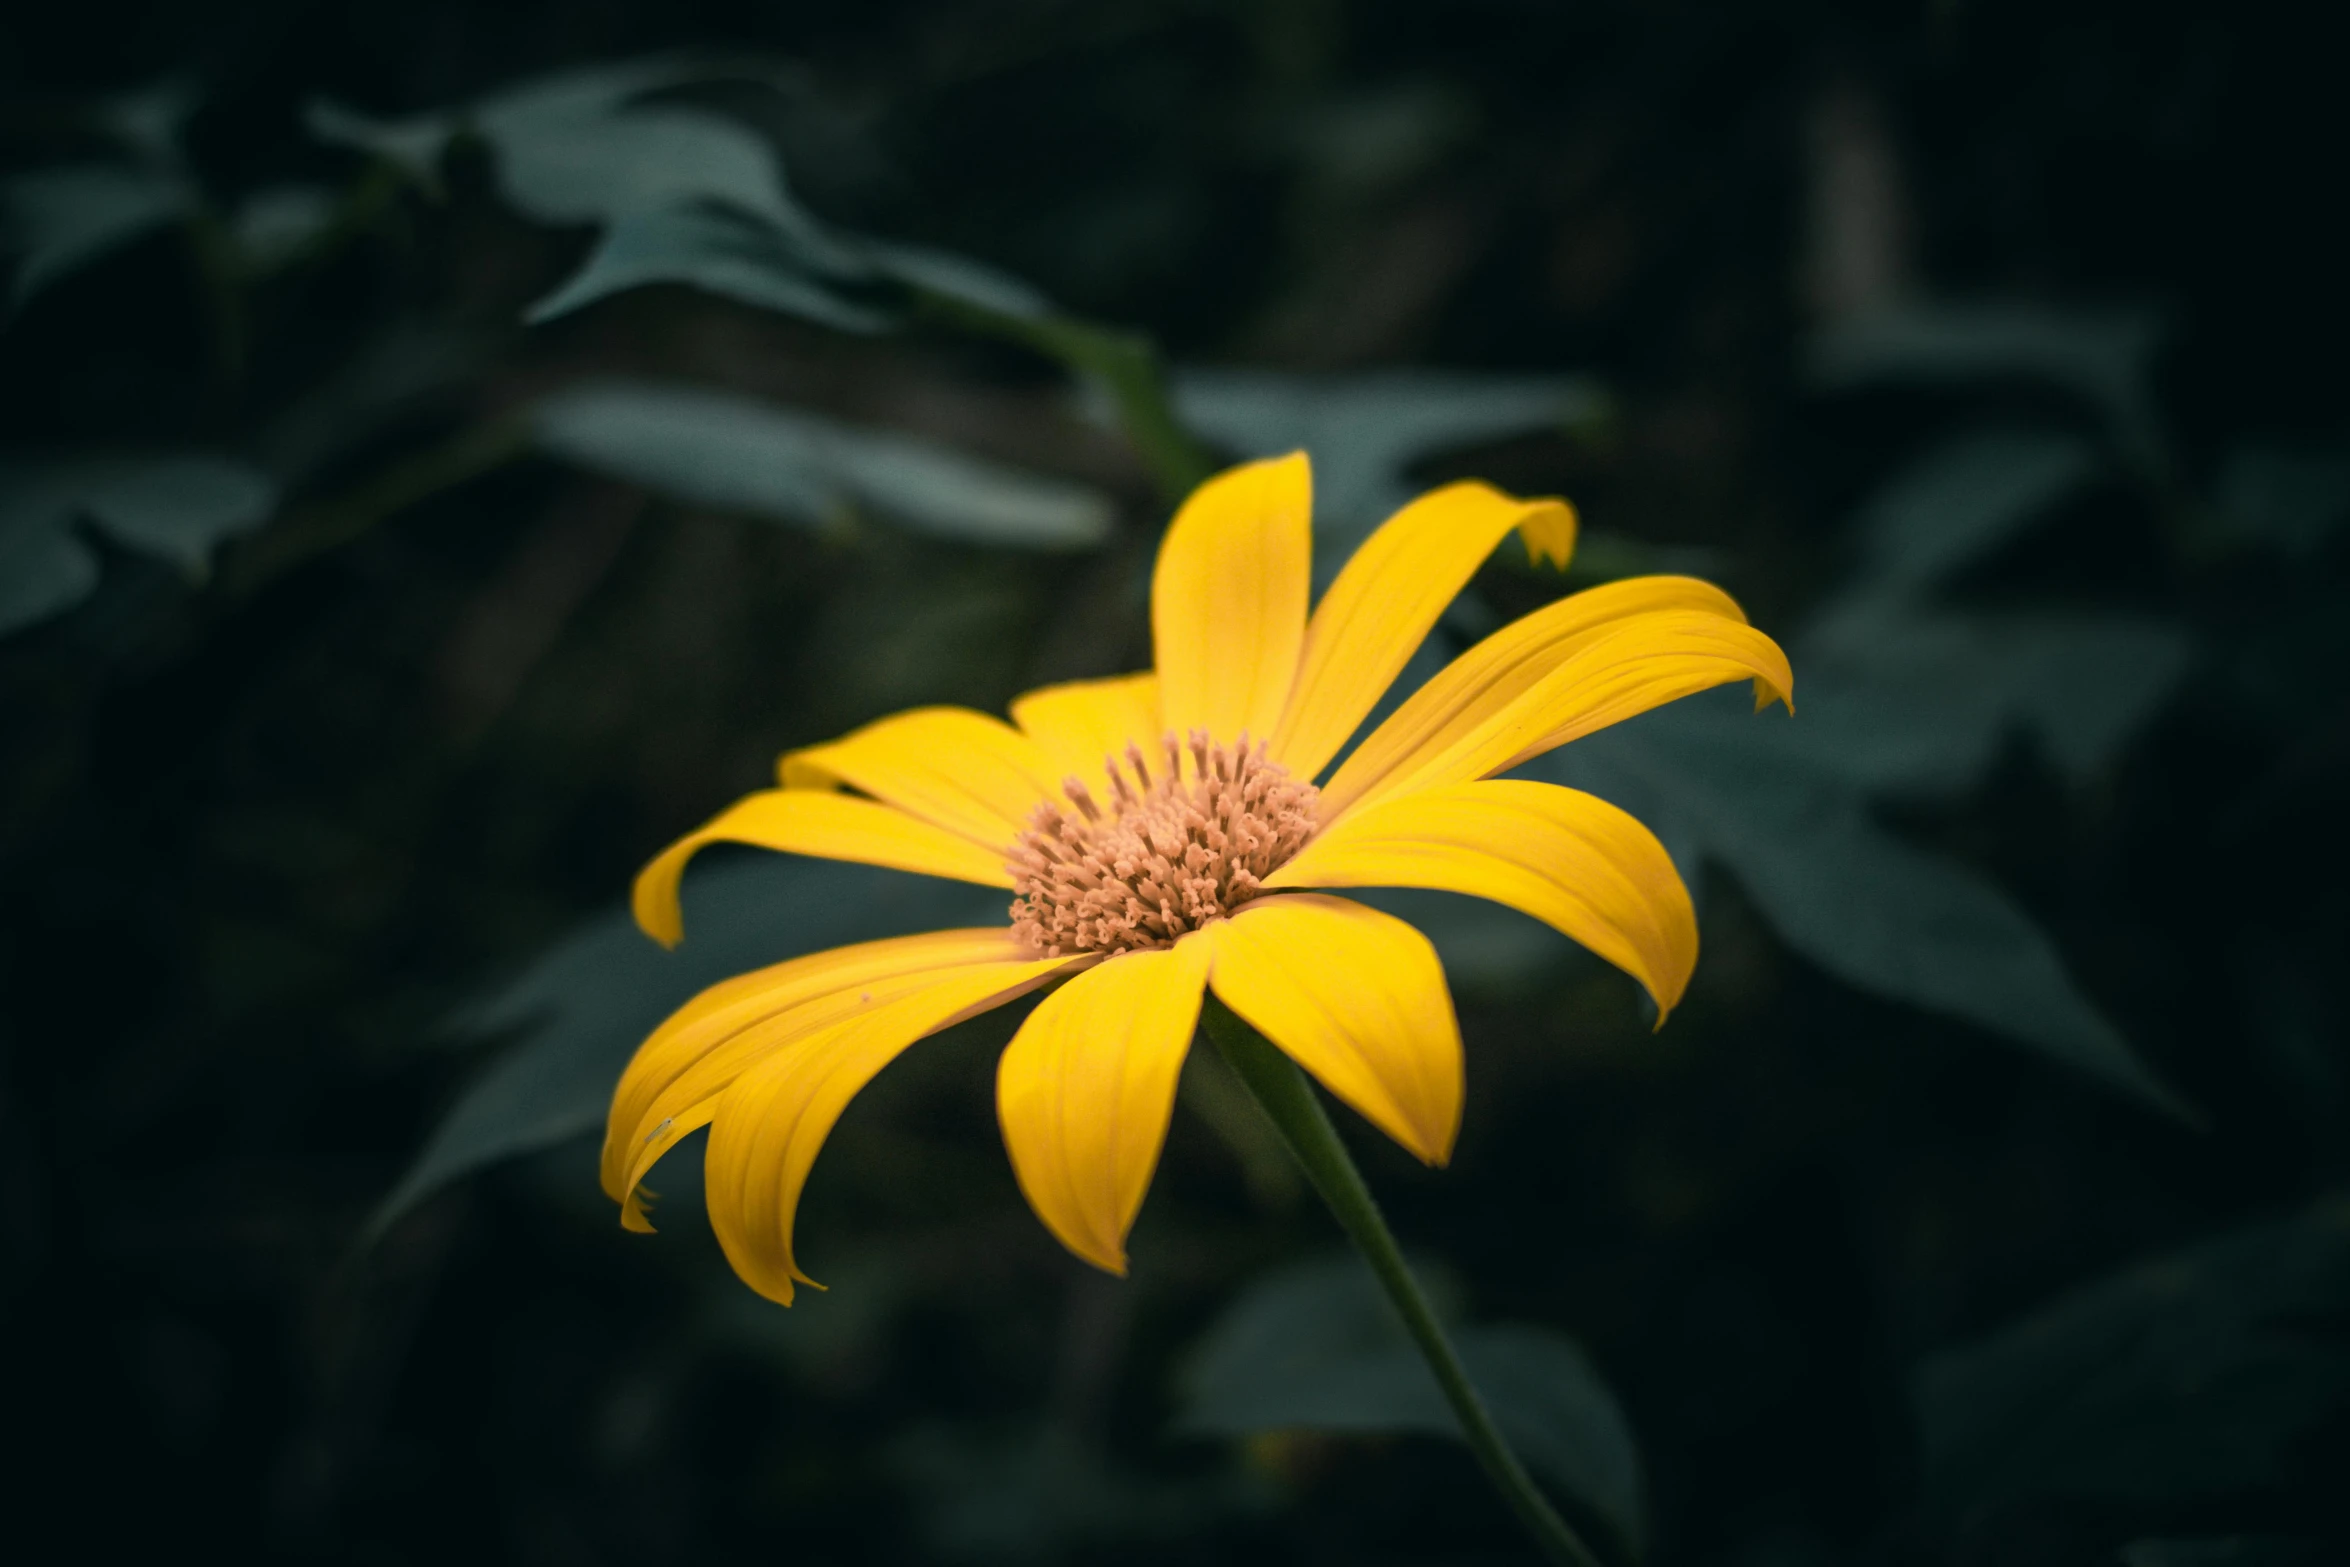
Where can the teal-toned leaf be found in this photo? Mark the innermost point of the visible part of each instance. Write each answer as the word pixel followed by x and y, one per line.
pixel 2186 1379
pixel 413 146
pixel 274 225
pixel 1838 888
pixel 2293 499
pixel 956 277
pixel 177 507
pixel 1366 431
pixel 2104 357
pixel 579 1011
pixel 152 121
pixel 733 255
pixel 1906 702
pixel 733 452
pixel 1964 500
pixel 44 569
pixel 1315 1346
pixel 57 221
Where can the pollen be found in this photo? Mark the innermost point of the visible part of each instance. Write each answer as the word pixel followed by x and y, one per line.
pixel 1172 849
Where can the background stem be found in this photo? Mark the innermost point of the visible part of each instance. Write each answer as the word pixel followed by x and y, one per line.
pixel 1125 365
pixel 1288 1100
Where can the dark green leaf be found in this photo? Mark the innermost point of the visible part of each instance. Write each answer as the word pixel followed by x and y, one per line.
pixel 2104 357
pixel 1904 702
pixel 582 1008
pixel 722 450
pixel 733 255
pixel 1963 500
pixel 1315 1346
pixel 1842 891
pixel 57 221
pixel 2184 1379
pixel 44 569
pixel 177 507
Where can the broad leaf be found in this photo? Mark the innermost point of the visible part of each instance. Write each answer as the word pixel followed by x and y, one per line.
pixel 1963 500
pixel 179 508
pixel 1315 1346
pixel 2188 1378
pixel 733 255
pixel 1841 890
pixel 57 221
pixel 581 1009
pixel 1902 701
pixel 728 451
pixel 2103 357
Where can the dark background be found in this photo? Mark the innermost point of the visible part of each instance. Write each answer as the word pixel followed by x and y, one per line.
pixel 261 836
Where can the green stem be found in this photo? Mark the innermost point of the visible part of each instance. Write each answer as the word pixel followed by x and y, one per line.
pixel 1124 364
pixel 1288 1100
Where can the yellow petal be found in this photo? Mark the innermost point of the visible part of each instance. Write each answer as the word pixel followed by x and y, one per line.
pixel 951 766
pixel 1503 666
pixel 1497 712
pixel 678 1071
pixel 1380 608
pixel 1228 600
pixel 1357 998
pixel 775 1116
pixel 1085 1089
pixel 1569 859
pixel 1082 723
pixel 829 826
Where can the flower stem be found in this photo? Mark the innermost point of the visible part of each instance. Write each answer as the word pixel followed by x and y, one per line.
pixel 1288 1100
pixel 1125 365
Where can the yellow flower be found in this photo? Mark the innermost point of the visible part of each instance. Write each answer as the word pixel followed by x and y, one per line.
pixel 1162 832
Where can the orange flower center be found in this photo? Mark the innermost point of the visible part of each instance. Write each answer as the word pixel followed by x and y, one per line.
pixel 1171 852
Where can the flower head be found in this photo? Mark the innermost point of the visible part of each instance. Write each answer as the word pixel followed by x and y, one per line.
pixel 1164 834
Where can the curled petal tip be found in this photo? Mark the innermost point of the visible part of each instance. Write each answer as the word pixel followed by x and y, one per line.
pixel 1549 532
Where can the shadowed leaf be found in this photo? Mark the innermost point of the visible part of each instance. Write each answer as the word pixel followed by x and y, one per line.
pixel 727 451
pixel 2187 1378
pixel 582 1008
pixel 1315 1346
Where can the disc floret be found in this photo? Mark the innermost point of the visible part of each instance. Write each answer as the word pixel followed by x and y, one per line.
pixel 1172 850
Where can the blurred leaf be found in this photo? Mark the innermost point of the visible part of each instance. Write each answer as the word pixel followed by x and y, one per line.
pixel 1963 500
pixel 273 225
pixel 1366 431
pixel 56 221
pixel 1316 1346
pixel 2292 499
pixel 2184 1379
pixel 730 254
pixel 1902 702
pixel 2104 357
pixel 582 1008
pixel 152 121
pixel 44 569
pixel 2236 1551
pixel 956 277
pixel 728 451
pixel 1838 888
pixel 177 507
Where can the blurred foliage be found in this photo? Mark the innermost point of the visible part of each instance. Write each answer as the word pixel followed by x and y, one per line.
pixel 449 450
